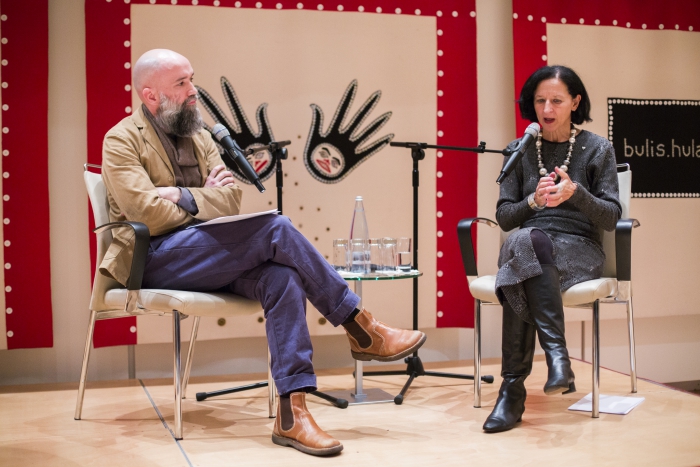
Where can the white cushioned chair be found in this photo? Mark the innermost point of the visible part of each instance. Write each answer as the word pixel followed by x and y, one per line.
pixel 110 300
pixel 614 287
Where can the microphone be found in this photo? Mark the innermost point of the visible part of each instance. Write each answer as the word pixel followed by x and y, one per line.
pixel 224 138
pixel 530 134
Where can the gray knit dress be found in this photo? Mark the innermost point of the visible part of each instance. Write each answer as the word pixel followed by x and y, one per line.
pixel 574 226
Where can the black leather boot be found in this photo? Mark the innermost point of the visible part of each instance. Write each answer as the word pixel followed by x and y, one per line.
pixel 544 300
pixel 518 347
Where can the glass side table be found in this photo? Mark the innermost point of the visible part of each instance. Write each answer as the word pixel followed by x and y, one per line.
pixel 373 395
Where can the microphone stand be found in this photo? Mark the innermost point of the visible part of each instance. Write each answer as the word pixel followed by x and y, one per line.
pixel 278 153
pixel 414 364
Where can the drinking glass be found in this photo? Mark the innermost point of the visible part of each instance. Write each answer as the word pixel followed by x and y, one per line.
pixel 340 254
pixel 375 254
pixel 403 254
pixel 388 254
pixel 359 255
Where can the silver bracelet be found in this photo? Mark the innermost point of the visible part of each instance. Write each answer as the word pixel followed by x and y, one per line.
pixel 533 205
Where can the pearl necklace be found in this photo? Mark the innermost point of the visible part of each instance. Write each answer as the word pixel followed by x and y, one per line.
pixel 565 166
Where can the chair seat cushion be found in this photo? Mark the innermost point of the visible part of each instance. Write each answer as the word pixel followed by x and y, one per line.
pixel 189 303
pixel 590 291
pixel 484 288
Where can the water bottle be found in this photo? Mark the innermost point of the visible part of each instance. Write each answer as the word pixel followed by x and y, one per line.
pixel 359 240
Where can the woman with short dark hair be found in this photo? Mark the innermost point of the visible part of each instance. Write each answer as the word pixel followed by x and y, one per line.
pixel 561 194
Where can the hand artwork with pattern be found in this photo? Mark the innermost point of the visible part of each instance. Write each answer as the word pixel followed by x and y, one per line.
pixel 241 131
pixel 332 155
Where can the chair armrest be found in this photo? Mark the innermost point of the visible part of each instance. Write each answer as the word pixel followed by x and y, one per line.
pixel 142 240
pixel 464 235
pixel 623 248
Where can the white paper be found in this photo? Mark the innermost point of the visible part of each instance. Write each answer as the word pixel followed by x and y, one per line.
pixel 617 405
pixel 238 217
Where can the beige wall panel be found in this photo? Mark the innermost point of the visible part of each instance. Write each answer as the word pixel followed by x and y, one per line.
pixel 617 62
pixel 291 59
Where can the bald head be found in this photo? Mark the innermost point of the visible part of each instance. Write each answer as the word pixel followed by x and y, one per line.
pixel 161 72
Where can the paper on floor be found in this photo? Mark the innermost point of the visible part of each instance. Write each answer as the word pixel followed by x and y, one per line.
pixel 618 405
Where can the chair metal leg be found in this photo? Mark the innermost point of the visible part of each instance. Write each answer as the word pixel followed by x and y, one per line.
pixel 177 413
pixel 633 356
pixel 477 353
pixel 86 359
pixel 190 355
pixel 131 361
pixel 596 359
pixel 271 396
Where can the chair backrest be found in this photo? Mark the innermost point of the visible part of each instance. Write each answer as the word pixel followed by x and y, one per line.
pixel 624 179
pixel 97 192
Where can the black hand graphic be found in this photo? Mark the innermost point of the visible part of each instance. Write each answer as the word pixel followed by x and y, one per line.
pixel 241 131
pixel 332 155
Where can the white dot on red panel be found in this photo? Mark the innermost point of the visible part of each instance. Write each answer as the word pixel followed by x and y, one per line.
pixel 544 58
pixel 581 21
pixel 440 314
pixel 10 333
pixel 439 175
pixel 300 6
pixel 5 107
pixel 440 113
pixel 127 87
pixel 397 11
pixel 5 130
pixel 440 273
pixel 3 40
pixel 360 8
pixel 439 254
pixel 472 14
pixel 4 62
pixel 440 293
pixel 127 21
pixel 439 32
pixel 127 43
pixel 6 221
pixel 258 5
pixel 439 153
pixel 127 109
pixel 439 194
pixel 441 73
pixel 3 17
pixel 529 17
pixel 515 16
pixel 7 243
pixel 8 266
pixel 439 233
pixel 614 22
pixel 455 14
pixel 8 288
pixel 5 152
pixel 127 65
pixel 379 9
pixel 320 7
pixel 9 310
pixel 597 22
pixel 417 12
pixel 440 133
pixel 440 93
pixel 543 19
pixel 132 329
pixel 340 8
pixel 563 20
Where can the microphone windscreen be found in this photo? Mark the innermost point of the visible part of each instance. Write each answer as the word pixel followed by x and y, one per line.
pixel 532 129
pixel 219 131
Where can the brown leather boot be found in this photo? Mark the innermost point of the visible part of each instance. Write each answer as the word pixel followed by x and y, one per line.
pixel 299 430
pixel 373 340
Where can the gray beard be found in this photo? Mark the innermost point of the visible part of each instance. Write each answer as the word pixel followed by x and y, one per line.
pixel 179 120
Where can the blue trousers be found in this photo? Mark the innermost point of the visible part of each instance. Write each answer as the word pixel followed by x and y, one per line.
pixel 266 259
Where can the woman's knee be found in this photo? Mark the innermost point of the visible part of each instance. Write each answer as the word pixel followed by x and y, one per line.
pixel 544 250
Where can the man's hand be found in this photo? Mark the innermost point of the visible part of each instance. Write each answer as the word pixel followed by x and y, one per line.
pixel 219 177
pixel 171 193
pixel 564 189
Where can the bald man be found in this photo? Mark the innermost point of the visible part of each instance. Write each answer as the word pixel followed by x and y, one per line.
pixel 161 168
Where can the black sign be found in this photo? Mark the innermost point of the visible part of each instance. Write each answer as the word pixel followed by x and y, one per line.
pixel 660 140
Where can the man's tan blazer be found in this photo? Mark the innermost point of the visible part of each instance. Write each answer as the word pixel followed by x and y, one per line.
pixel 134 163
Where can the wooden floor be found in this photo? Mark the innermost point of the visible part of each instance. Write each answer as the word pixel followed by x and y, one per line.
pixel 436 425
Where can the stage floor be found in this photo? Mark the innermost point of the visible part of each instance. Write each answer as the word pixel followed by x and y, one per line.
pixel 436 425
